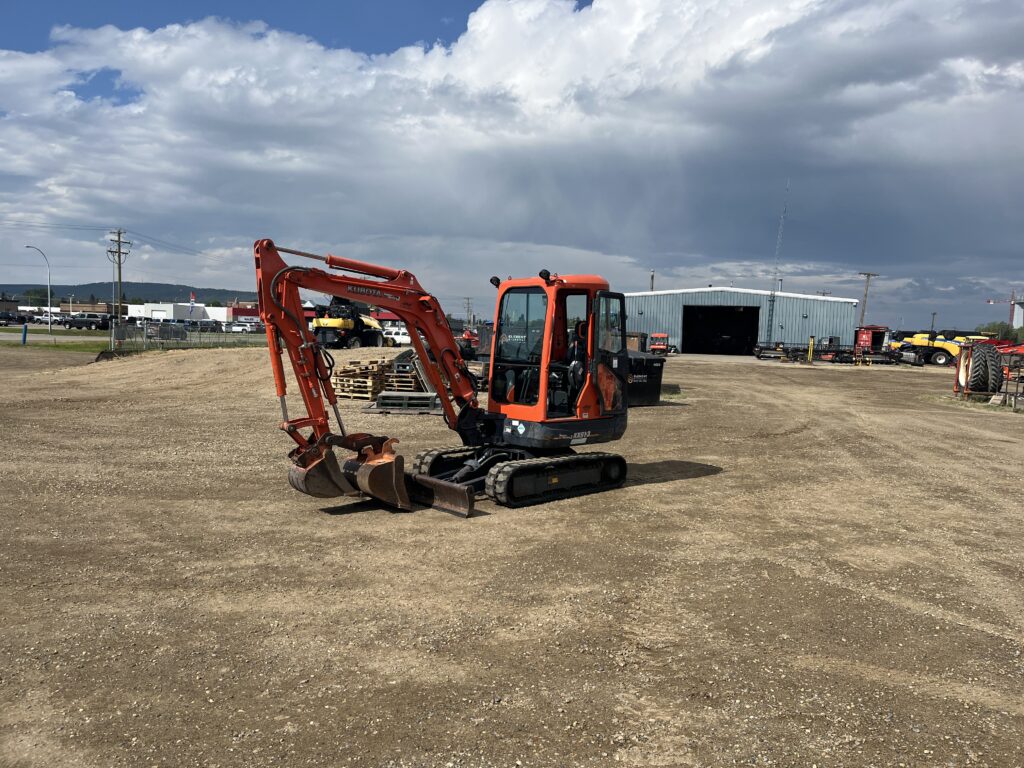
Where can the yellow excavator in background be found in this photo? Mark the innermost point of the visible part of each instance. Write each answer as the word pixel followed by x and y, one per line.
pixel 342 325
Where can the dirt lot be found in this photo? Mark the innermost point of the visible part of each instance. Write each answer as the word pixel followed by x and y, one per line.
pixel 808 567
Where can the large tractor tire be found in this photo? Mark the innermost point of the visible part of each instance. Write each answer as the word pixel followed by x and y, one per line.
pixel 355 343
pixel 993 365
pixel 941 357
pixel 977 373
pixel 376 339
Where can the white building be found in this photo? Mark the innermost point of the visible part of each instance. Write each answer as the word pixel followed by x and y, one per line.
pixel 173 311
pixel 186 311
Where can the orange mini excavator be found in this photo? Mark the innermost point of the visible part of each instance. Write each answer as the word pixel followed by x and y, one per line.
pixel 558 370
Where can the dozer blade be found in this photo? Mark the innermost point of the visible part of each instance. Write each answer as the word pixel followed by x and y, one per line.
pixel 432 492
pixel 323 479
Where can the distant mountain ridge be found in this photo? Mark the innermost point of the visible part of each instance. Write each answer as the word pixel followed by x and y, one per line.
pixel 146 291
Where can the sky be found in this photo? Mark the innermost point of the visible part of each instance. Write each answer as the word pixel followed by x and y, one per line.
pixel 465 139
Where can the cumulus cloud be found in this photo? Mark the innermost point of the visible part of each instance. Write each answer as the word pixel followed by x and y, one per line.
pixel 619 137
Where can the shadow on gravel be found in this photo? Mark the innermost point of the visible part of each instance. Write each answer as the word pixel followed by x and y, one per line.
pixel 371 505
pixel 651 473
pixel 654 472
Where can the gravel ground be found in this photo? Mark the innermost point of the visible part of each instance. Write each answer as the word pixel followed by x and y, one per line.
pixel 809 566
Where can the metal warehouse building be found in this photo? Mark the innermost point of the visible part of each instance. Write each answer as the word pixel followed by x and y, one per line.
pixel 732 320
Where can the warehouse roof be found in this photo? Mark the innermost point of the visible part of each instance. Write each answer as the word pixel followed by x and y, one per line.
pixel 817 297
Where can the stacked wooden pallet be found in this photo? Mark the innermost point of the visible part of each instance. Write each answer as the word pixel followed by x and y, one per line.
pixel 360 379
pixel 402 382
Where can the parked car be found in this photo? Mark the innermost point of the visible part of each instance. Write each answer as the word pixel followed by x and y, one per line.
pixel 45 318
pixel 91 320
pixel 168 330
pixel 205 326
pixel 12 318
pixel 246 326
pixel 396 337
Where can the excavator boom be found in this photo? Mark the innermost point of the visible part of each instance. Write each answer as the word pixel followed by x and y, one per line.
pixel 375 469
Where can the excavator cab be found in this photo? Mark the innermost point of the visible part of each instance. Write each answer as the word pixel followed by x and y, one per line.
pixel 559 361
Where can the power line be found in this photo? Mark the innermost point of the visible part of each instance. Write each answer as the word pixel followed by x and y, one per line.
pixel 184 249
pixel 15 223
pixel 23 223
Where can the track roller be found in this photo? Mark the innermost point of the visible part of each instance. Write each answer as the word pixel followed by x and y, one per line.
pixel 439 460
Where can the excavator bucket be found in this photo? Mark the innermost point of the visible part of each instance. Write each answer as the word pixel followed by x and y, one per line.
pixel 374 470
pixel 323 478
pixel 378 472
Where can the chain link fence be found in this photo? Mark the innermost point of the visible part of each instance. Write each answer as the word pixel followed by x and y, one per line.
pixel 157 335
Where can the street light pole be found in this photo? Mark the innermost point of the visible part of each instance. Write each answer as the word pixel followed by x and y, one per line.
pixel 49 313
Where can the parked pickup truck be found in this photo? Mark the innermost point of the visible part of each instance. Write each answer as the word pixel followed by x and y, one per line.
pixel 204 326
pixel 12 318
pixel 92 320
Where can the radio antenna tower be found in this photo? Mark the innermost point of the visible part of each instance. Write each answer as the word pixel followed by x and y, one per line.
pixel 775 273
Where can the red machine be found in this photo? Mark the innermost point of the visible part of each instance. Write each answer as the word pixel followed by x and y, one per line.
pixel 871 338
pixel 658 344
pixel 557 381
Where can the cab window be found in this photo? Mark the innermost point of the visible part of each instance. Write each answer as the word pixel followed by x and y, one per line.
pixel 521 325
pixel 519 342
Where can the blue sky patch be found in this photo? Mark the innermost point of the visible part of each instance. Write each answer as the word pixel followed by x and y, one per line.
pixel 105 84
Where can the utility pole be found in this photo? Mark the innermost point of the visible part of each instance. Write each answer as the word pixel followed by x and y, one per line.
pixel 469 311
pixel 117 256
pixel 775 274
pixel 864 303
pixel 652 279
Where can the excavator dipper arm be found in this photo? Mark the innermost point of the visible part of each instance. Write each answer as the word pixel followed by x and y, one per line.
pixel 374 469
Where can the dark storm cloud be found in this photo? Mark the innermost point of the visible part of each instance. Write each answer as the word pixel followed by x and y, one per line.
pixel 622 136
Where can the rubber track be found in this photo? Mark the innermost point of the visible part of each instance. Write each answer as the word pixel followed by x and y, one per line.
pixel 499 480
pixel 421 463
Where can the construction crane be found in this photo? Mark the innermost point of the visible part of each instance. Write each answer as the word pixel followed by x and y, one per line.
pixel 558 376
pixel 1013 301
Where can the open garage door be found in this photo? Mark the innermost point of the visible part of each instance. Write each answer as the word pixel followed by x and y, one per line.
pixel 720 330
